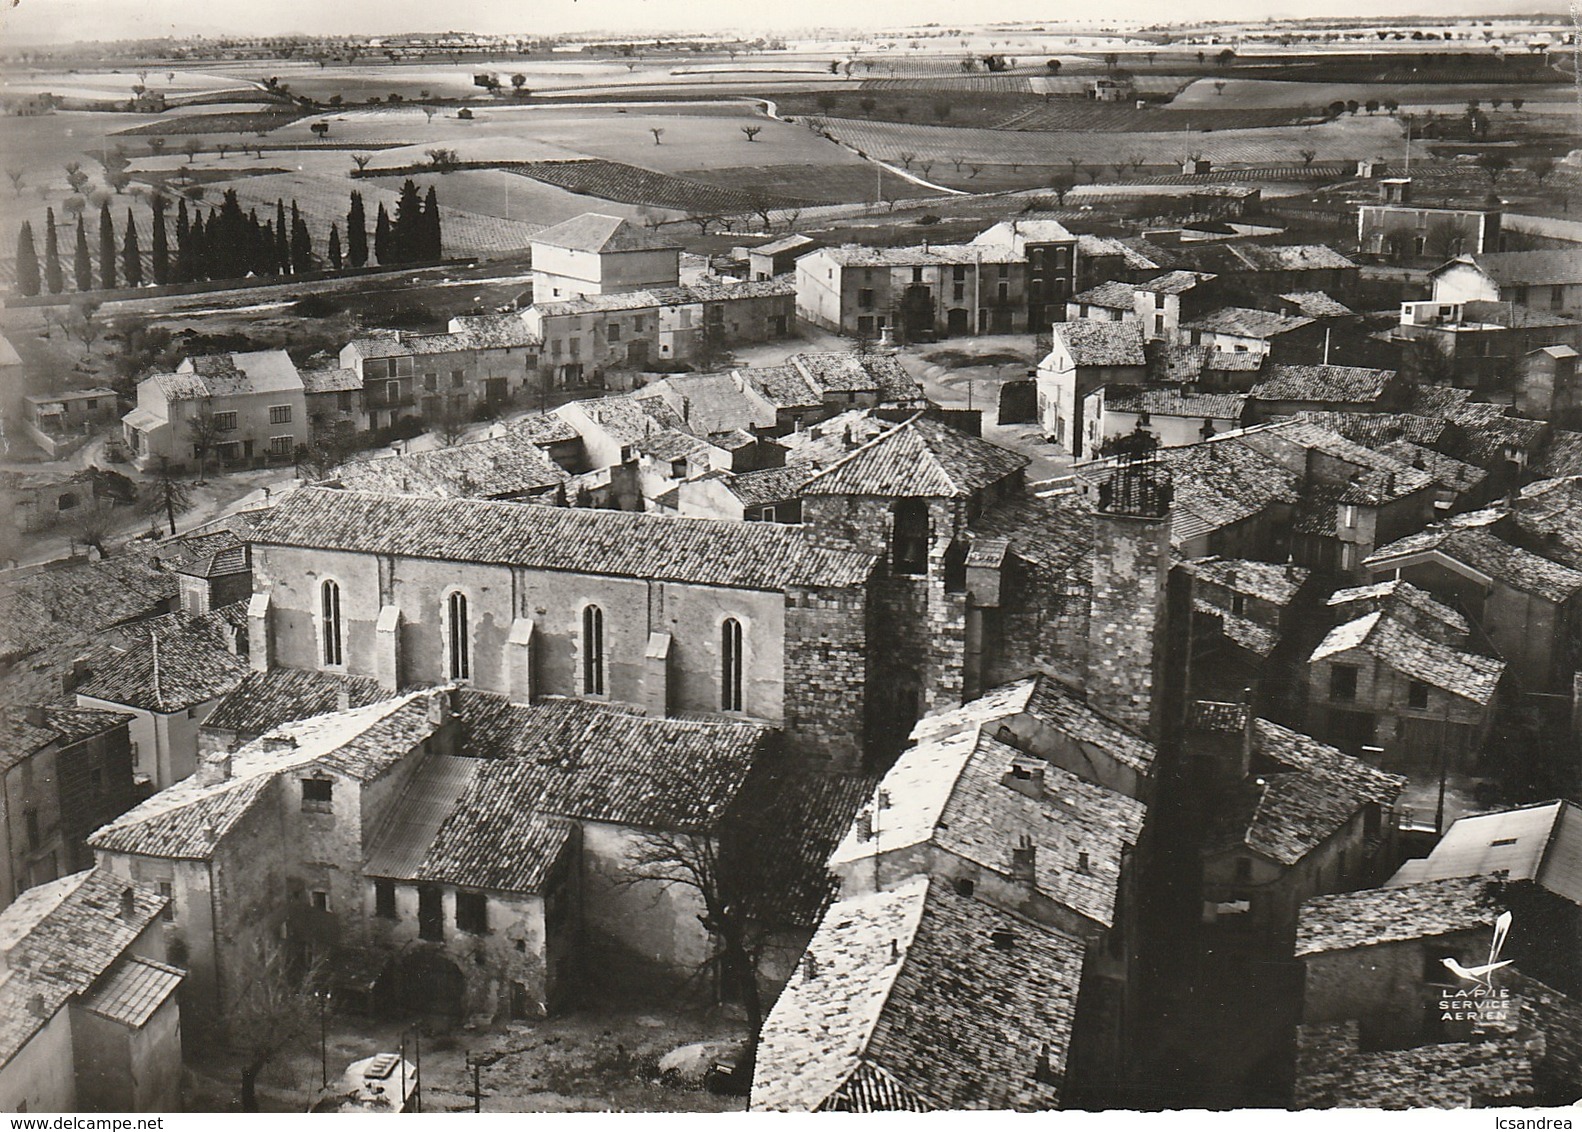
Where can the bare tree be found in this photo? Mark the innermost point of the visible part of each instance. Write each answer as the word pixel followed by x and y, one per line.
pixel 752 132
pixel 703 220
pixel 429 112
pixel 362 160
pixel 907 159
pixel 451 422
pixel 1307 156
pixel 83 324
pixel 658 132
pixel 17 176
pixel 273 1009
pixel 973 171
pixel 166 494
pixel 1541 167
pixel 203 431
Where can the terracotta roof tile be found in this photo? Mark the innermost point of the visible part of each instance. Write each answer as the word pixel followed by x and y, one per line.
pixel 921 458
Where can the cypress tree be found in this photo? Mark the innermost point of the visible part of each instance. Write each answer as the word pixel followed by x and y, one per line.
pixel 54 281
pixel 106 247
pixel 256 262
pixel 433 242
pixel 282 238
pixel 82 266
pixel 131 254
pixel 301 244
pixel 335 248
pixel 200 250
pixel 357 233
pixel 406 232
pixel 266 248
pixel 383 252
pixel 160 251
pixel 183 243
pixel 27 282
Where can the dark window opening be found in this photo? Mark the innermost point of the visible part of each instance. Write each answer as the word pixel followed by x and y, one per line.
pixel 460 660
pixel 593 651
pixel 472 912
pixel 1417 694
pixel 430 913
pixel 318 795
pixel 385 899
pixel 1343 682
pixel 909 538
pixel 731 665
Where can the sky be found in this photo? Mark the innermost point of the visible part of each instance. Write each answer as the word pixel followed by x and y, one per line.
pixel 38 21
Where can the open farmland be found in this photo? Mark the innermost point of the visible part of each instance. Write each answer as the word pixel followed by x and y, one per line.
pixel 632 185
pixel 216 123
pixel 496 192
pixel 816 184
pixel 176 85
pixel 1348 140
pixel 1270 93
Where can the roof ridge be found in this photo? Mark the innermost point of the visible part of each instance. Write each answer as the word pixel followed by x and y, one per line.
pixel 865 445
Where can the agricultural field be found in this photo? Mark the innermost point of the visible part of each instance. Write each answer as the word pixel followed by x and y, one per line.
pixel 1270 93
pixel 215 122
pixel 816 184
pixel 498 193
pixel 176 85
pixel 631 185
pixel 1345 140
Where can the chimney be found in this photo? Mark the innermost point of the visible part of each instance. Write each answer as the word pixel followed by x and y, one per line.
pixel 1027 780
pixel 214 768
pixel 1083 865
pixel 865 826
pixel 1249 732
pixel 895 950
pixel 79 672
pixel 809 968
pixel 343 698
pixel 34 714
pixel 275 744
pixel 1024 860
pixel 128 903
pixel 438 708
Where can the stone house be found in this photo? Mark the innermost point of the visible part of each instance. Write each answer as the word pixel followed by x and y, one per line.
pixel 92 1018
pixel 1543 280
pixel 252 404
pixel 1252 272
pixel 925 960
pixel 1294 818
pixel 1400 675
pixel 58 422
pixel 168 677
pixel 1243 330
pixel 778 256
pixel 679 615
pixel 1529 606
pixel 1242 611
pixel 63 773
pixel 1051 253
pixel 1286 390
pixel 1478 345
pixel 714 402
pixel 1398 226
pixel 1175 417
pixel 914 294
pixel 595 254
pixel 1547 387
pixel 335 401
pixel 1083 356
pixel 477 362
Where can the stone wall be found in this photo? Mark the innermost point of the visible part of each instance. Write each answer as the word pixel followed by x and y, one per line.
pixel 826 674
pixel 1131 562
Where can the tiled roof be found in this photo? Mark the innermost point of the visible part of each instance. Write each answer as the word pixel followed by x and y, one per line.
pixel 626 418
pixel 851 373
pixel 1562 456
pixel 53 607
pixel 1439 401
pixel 666 445
pixel 264 701
pixel 888 973
pixel 1101 247
pixel 710 402
pixel 545 428
pixel 1332 1072
pixel 701 551
pixel 1174 403
pixel 788 243
pixel 135 988
pixel 21 736
pixel 796 817
pixel 1513 316
pixel 1113 295
pixel 58 939
pixel 596 232
pixel 1311 794
pixel 921 458
pixel 1245 322
pixel 769 485
pixel 1290 257
pixel 1458 476
pixel 1054 534
pixel 1548 266
pixel 1342 384
pixel 1547 517
pixel 1316 304
pixel 1397 644
pixel 1267 581
pixel 785 387
pixel 1389 915
pixel 1175 282
pixel 187 820
pixel 182 661
pixel 496 468
pixel 494 331
pixel 1485 552
pixel 330 381
pixel 919 255
pixel 222 563
pixel 955 792
pixel 1102 343
pixel 1399 598
pixel 1056 705
pixel 1378 477
pixel 1482 436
